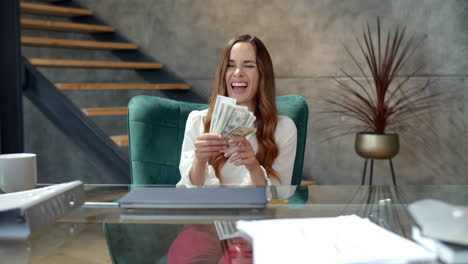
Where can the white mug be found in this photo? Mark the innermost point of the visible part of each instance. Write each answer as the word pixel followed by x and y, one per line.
pixel 17 172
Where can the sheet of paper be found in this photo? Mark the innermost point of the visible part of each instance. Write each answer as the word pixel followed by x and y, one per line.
pixel 344 239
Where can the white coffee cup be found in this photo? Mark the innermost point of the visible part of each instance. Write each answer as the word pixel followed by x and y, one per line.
pixel 17 172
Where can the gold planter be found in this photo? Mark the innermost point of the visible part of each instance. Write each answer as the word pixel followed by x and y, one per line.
pixel 376 146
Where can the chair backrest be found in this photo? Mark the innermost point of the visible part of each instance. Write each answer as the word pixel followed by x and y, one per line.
pixel 156 130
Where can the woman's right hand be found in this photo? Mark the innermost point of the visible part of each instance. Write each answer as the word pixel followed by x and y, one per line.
pixel 208 145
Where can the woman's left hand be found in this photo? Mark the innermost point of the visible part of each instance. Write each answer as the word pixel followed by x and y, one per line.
pixel 245 153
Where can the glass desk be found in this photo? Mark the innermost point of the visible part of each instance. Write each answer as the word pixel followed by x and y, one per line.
pixel 101 232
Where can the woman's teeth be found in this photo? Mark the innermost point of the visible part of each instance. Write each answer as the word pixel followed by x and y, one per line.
pixel 239 85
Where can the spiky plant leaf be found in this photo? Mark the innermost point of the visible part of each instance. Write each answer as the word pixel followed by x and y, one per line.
pixel 381 104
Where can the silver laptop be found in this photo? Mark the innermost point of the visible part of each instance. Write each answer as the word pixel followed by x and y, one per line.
pixel 188 198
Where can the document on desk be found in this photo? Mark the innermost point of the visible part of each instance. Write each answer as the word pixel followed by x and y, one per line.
pixel 344 239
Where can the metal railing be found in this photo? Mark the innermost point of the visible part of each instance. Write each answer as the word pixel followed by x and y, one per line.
pixel 19 77
pixel 11 105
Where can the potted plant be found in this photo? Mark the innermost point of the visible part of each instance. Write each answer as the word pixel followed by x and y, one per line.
pixel 382 103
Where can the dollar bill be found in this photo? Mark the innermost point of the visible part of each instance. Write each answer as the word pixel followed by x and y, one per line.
pixel 231 120
pixel 238 118
pixel 226 229
pixel 250 122
pixel 239 132
pixel 220 100
pixel 224 114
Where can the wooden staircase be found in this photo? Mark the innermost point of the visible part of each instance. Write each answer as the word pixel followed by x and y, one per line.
pixel 68 43
pixel 29 23
pixel 122 86
pixel 105 111
pixel 120 140
pixel 50 9
pixel 94 64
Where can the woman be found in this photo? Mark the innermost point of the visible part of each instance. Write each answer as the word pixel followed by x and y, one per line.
pixel 245 73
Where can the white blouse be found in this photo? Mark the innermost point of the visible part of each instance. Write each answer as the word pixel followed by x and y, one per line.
pixel 285 137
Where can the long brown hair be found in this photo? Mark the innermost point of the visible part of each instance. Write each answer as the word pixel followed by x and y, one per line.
pixel 265 107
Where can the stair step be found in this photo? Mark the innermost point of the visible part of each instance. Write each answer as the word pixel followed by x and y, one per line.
pixel 120 140
pixel 52 10
pixel 94 64
pixel 105 111
pixel 307 182
pixel 29 23
pixel 122 86
pixel 51 0
pixel 69 43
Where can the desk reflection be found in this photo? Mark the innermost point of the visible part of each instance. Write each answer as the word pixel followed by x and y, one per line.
pixel 174 244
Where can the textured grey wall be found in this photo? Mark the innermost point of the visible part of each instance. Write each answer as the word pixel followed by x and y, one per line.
pixel 305 40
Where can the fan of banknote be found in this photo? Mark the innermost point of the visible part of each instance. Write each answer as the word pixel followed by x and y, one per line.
pixel 231 120
pixel 226 229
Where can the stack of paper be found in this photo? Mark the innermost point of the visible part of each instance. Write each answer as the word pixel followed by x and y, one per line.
pixel 344 239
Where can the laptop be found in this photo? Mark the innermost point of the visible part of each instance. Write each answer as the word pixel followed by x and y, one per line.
pixel 190 198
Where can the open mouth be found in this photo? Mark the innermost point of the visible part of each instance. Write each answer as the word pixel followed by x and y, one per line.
pixel 239 87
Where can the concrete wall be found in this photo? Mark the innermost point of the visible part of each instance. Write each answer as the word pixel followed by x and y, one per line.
pixel 305 40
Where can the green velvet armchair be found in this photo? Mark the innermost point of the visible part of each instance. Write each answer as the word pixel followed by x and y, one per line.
pixel 156 130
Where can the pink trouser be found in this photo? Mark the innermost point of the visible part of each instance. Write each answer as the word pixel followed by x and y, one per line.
pixel 200 244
